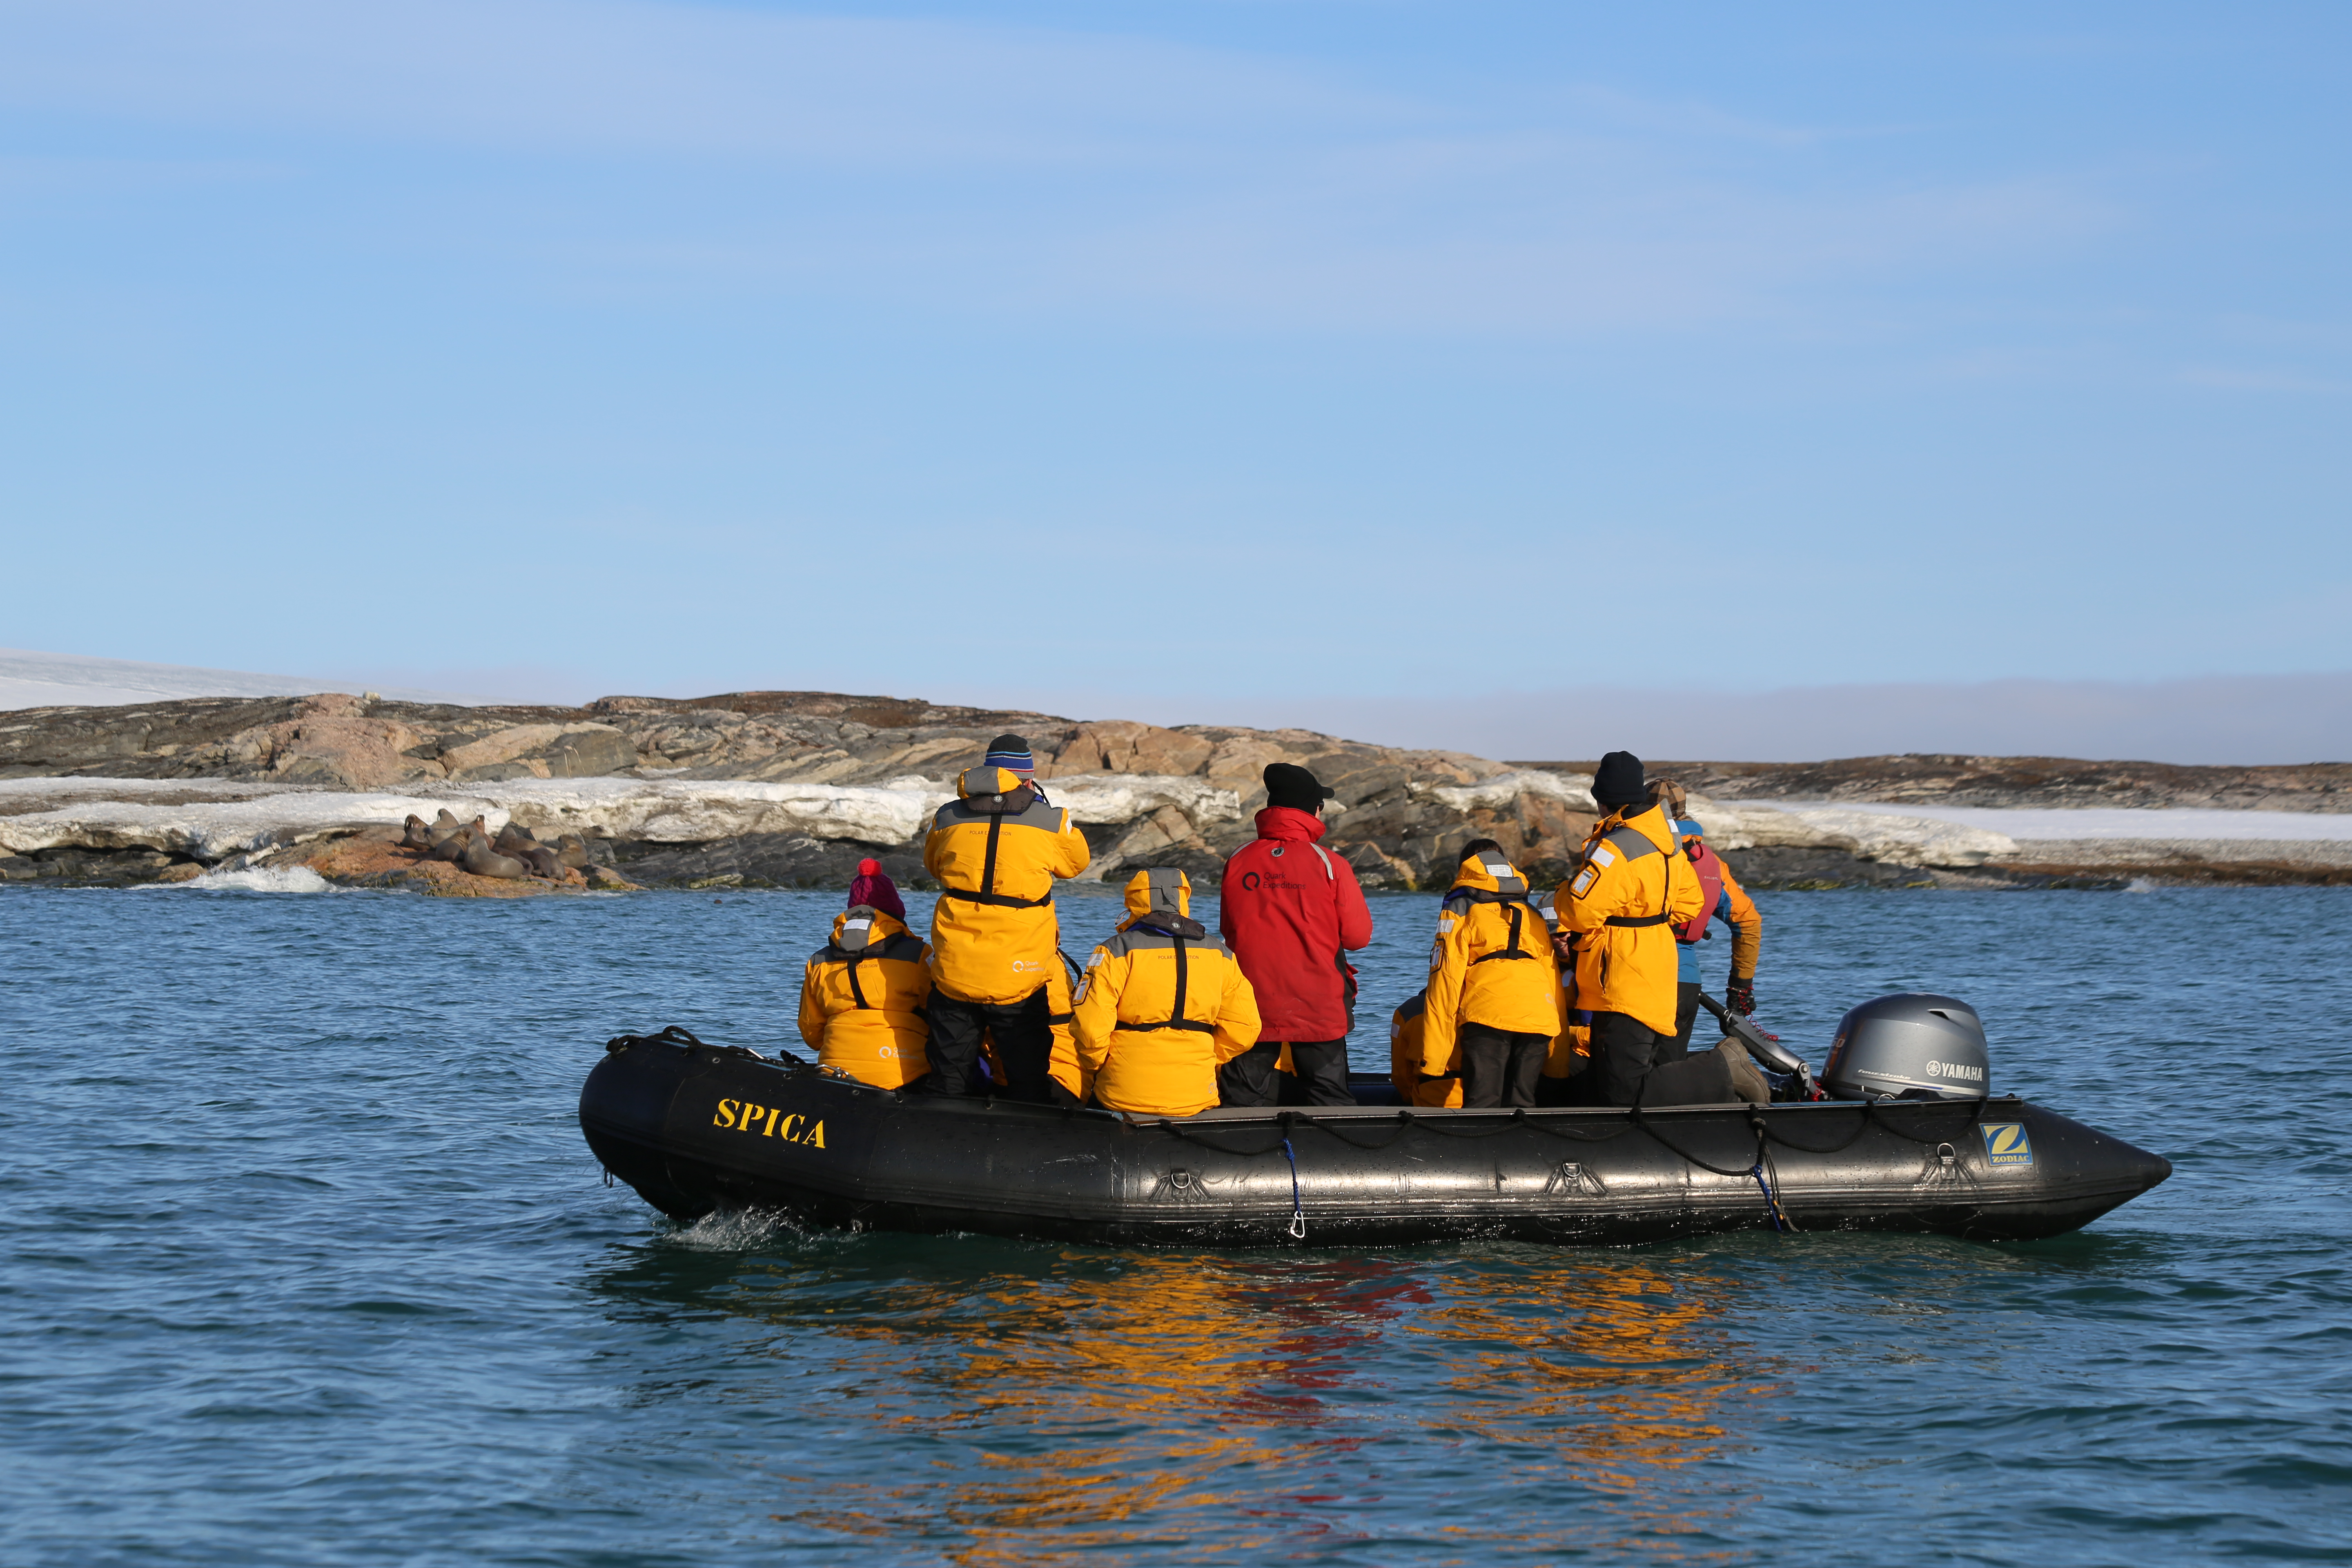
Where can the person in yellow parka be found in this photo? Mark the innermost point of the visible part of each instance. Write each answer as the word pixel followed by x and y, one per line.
pixel 1161 1005
pixel 862 998
pixel 1636 885
pixel 1571 1048
pixel 1404 1059
pixel 1493 1005
pixel 996 850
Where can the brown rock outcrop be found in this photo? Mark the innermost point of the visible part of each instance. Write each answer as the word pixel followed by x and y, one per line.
pixel 1402 814
pixel 1391 835
pixel 1951 779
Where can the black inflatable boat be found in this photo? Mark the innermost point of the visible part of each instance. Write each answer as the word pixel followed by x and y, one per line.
pixel 696 1127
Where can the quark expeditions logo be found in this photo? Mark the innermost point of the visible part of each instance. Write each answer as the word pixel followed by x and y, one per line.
pixel 1956 1070
pixel 2006 1142
pixel 769 1121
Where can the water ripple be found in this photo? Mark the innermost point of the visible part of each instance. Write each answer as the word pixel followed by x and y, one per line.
pixel 304 1263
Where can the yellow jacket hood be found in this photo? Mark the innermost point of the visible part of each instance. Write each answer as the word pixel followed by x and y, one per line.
pixel 861 926
pixel 1161 889
pixel 973 784
pixel 1488 872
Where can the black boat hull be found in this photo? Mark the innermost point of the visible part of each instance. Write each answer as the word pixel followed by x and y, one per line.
pixel 697 1129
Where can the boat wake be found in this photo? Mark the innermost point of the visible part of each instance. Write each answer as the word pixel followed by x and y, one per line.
pixel 735 1230
pixel 259 879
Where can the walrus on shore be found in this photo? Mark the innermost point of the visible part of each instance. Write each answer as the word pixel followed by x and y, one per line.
pixel 445 825
pixel 541 860
pixel 417 834
pixel 450 847
pixel 484 861
pixel 572 850
pixel 512 838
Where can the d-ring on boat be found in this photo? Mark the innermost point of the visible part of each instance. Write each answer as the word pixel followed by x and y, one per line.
pixel 1914 1143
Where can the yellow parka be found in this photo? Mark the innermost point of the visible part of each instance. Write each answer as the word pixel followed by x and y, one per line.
pixel 1491 963
pixel 1404 1059
pixel 1636 881
pixel 1571 1048
pixel 862 999
pixel 1161 1005
pixel 995 852
pixel 1061 1017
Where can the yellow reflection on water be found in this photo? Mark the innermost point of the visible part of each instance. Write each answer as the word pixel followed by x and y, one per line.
pixel 1234 1405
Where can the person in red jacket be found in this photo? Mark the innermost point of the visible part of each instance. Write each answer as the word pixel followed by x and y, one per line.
pixel 1291 911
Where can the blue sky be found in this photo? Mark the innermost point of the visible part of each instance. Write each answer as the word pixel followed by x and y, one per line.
pixel 1173 355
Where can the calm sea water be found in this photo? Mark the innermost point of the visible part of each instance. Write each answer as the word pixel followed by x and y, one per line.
pixel 303 1261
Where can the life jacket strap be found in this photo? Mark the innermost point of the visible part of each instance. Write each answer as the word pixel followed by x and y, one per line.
pixel 1510 948
pixel 997 900
pixel 1187 1025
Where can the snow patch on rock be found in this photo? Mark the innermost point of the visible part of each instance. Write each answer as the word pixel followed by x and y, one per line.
pixel 695 811
pixel 683 811
pixel 1502 790
pixel 1906 840
pixel 1114 798
pixel 213 819
pixel 214 830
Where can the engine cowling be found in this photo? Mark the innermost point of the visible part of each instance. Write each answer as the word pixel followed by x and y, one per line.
pixel 1913 1045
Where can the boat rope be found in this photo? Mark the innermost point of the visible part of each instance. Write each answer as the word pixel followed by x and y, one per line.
pixel 1861 1126
pixel 1768 1177
pixel 1875 1109
pixel 1297 1209
pixel 1771 1204
pixel 1760 1170
pixel 1643 1124
pixel 1170 1125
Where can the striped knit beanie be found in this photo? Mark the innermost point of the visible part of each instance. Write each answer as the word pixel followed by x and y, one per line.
pixel 1011 753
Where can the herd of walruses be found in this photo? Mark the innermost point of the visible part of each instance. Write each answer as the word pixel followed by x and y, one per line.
pixel 514 854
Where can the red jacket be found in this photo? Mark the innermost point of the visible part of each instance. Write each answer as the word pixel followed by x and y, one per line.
pixel 1287 909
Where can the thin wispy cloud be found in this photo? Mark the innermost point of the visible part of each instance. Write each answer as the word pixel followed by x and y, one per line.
pixel 1028 169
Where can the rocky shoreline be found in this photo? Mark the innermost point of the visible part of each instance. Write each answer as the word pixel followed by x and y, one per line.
pixel 791 789
pixel 1927 779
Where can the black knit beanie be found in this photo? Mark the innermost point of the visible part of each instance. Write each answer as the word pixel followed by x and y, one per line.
pixel 1619 781
pixel 1288 783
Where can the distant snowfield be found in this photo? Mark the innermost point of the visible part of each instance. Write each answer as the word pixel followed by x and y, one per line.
pixel 29 679
pixel 213 818
pixel 2041 823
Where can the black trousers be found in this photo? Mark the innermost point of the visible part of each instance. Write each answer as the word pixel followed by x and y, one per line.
pixel 1626 1054
pixel 1685 1018
pixel 1499 1066
pixel 1250 1079
pixel 1024 1044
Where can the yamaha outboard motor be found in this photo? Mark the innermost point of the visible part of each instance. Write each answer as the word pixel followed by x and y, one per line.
pixel 1910 1046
